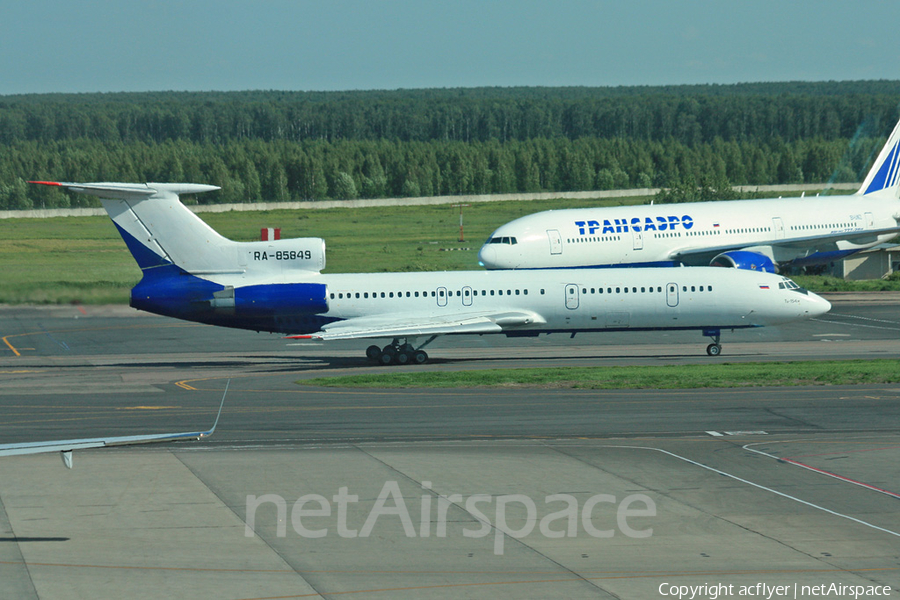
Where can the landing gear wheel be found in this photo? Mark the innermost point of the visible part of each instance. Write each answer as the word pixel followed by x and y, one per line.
pixel 402 357
pixel 420 357
pixel 714 349
pixel 386 358
pixel 373 352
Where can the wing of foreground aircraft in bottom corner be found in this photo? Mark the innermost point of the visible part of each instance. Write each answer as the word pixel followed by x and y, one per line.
pixel 67 446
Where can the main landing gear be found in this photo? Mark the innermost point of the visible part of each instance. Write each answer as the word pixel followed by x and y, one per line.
pixel 715 348
pixel 397 353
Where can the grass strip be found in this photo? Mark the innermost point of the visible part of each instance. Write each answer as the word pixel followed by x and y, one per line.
pixel 726 375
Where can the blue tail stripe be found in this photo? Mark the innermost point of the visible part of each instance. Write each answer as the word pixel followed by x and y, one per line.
pixel 887 174
pixel 144 256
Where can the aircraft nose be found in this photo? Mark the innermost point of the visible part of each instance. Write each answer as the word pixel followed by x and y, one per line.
pixel 820 305
pixel 487 256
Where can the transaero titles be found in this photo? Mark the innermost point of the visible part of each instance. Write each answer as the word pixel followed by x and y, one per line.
pixel 669 223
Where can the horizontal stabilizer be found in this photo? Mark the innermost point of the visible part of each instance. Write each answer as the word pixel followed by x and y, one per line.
pixel 131 191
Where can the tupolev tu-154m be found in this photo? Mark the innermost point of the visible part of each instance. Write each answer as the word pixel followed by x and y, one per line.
pixel 191 272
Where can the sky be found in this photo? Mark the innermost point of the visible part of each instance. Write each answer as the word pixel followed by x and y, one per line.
pixel 328 45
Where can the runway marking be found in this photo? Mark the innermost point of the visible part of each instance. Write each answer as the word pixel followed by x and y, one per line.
pixel 829 473
pixel 145 407
pixel 831 335
pixel 11 347
pixel 762 487
pixel 47 333
pixel 859 325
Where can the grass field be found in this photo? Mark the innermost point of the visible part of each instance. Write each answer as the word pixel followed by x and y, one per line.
pixel 83 259
pixel 728 375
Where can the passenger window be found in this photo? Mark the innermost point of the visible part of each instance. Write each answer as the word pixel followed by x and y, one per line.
pixel 332 296
pixel 693 288
pixel 517 292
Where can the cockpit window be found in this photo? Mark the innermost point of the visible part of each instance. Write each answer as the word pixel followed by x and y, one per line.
pixel 509 241
pixel 790 285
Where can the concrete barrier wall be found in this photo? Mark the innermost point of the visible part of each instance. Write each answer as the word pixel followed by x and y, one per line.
pixel 430 200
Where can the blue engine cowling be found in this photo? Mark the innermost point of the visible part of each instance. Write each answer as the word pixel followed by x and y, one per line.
pixel 744 259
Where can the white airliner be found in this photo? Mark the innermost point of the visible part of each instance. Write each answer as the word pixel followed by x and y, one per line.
pixel 66 447
pixel 191 272
pixel 761 235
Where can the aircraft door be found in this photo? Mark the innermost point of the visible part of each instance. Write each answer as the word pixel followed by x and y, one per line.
pixel 778 228
pixel 571 296
pixel 467 296
pixel 555 241
pixel 638 237
pixel 442 296
pixel 870 221
pixel 672 294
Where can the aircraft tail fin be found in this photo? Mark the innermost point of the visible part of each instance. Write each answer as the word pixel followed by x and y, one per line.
pixel 884 176
pixel 160 231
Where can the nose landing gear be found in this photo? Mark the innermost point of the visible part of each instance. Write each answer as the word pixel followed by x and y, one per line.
pixel 715 348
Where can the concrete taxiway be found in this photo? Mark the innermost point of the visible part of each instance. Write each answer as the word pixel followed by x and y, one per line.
pixel 308 492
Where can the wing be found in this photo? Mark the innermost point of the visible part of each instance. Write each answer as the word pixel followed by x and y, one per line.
pixel 412 325
pixel 865 236
pixel 67 446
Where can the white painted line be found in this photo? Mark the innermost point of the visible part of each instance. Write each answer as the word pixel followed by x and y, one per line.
pixel 762 487
pixel 714 433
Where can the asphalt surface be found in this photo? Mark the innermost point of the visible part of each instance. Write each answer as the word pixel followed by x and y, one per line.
pixel 780 486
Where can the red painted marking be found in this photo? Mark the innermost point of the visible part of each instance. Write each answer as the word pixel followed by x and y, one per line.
pixel 841 477
pixel 298 337
pixel 56 183
pixel 81 309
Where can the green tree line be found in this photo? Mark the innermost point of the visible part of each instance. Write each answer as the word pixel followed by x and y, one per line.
pixel 278 146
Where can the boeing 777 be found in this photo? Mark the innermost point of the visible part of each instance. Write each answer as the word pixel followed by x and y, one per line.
pixel 761 235
pixel 191 272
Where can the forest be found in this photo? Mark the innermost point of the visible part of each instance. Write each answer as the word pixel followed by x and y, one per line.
pixel 280 146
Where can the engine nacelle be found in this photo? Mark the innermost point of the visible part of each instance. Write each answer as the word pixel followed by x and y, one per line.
pixel 745 259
